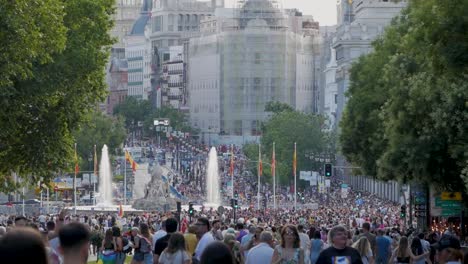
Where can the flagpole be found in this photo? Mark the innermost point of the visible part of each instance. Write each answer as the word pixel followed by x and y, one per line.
pixel 295 180
pixel 74 183
pixel 274 177
pixel 95 176
pixel 23 202
pixel 48 200
pixel 232 170
pixel 258 172
pixel 125 178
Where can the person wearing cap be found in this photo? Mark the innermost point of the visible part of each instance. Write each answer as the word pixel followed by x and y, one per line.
pixel 449 250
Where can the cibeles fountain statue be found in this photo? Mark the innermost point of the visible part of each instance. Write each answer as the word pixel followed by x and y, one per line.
pixel 157 194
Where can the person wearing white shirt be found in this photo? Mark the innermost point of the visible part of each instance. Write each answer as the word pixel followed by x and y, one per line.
pixel 160 233
pixel 203 228
pixel 305 243
pixel 263 252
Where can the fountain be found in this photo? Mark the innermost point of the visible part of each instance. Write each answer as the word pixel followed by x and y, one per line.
pixel 213 197
pixel 105 180
pixel 105 199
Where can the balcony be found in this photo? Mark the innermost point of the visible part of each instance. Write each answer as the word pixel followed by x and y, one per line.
pixel 175 84
pixel 175 97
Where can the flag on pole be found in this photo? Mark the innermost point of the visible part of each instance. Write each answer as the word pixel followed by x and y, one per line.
pixel 130 160
pixel 260 165
pixel 121 212
pixel 231 166
pixel 77 167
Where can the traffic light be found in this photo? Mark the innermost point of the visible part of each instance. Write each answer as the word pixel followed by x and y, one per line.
pixel 236 195
pixel 232 202
pixel 235 204
pixel 328 170
pixel 403 211
pixel 190 209
pixel 91 195
pixel 179 206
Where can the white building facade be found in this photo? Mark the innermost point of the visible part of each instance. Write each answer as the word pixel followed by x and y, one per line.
pixel 352 40
pixel 258 54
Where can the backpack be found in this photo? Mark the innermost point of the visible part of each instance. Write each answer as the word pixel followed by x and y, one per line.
pixel 127 246
pixel 145 245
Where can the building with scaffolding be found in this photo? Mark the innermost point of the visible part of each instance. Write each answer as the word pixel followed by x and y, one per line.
pixel 244 58
pixel 173 23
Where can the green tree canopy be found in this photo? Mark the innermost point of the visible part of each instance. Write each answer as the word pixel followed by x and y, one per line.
pixel 100 130
pixel 420 130
pixel 134 110
pixel 31 32
pixel 40 110
pixel 285 128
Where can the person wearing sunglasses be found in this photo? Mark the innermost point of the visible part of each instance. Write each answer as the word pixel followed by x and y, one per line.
pixel 289 251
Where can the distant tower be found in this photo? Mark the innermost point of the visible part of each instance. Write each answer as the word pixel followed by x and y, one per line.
pixel 345 11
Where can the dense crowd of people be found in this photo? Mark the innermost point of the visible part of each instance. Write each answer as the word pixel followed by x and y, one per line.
pixel 360 228
pixel 212 237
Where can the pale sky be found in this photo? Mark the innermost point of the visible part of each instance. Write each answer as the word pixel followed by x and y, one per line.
pixel 324 11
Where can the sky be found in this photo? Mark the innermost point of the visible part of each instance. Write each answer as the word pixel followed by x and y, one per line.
pixel 324 11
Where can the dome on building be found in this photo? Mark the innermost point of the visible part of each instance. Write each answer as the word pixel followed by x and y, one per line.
pixel 140 24
pixel 260 9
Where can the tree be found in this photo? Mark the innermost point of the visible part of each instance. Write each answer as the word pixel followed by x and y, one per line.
pixel 285 128
pixel 133 111
pixel 98 131
pixel 31 32
pixel 39 113
pixel 277 107
pixel 423 122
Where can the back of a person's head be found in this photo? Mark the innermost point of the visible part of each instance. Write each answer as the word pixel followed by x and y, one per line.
pixel 216 253
pixel 300 228
pixel 72 236
pixel 50 226
pixel 171 225
pixel 421 235
pixel 23 246
pixel 366 226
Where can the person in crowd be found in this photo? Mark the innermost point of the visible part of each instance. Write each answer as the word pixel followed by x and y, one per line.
pixel 316 247
pixel 425 244
pixel 145 243
pixel 370 237
pixel 449 250
pixel 216 253
pixel 21 221
pixel 161 244
pixel 108 251
pixel 255 240
pixel 305 242
pixel 74 243
pixel 96 240
pixel 363 247
pixel 191 240
pixel 242 231
pixel 216 232
pixel 23 246
pixel 417 249
pixel 205 237
pixel 234 246
pixel 338 252
pixel 117 237
pixel 289 251
pixel 175 252
pixel 160 233
pixel 263 252
pixel 383 249
pixel 403 253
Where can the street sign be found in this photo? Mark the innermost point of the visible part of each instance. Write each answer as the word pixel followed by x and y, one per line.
pixel 450 212
pixel 451 196
pixel 162 122
pixel 447 204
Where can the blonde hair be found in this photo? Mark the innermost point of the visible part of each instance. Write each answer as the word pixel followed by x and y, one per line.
pixel 363 246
